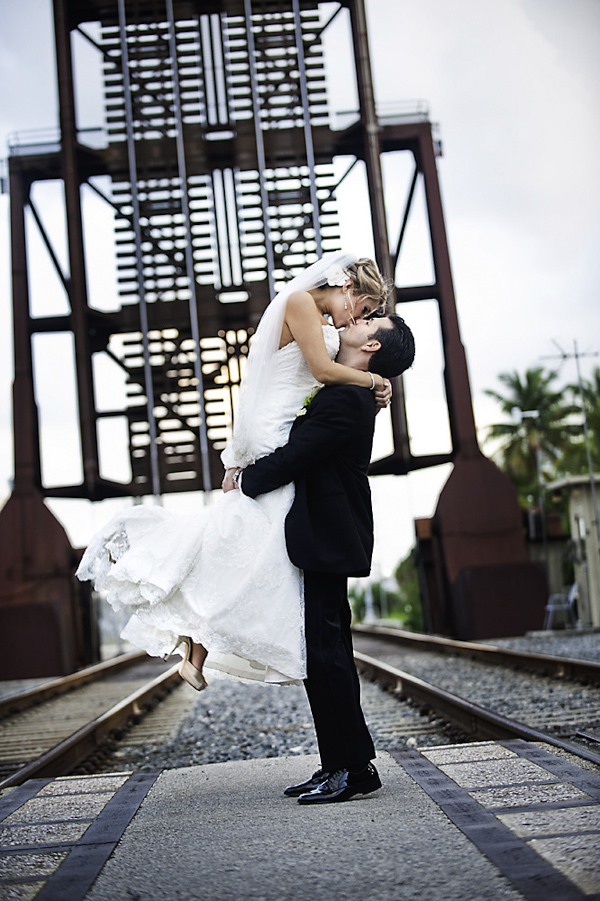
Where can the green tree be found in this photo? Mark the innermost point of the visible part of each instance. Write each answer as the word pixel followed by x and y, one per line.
pixel 386 600
pixel 551 430
pixel 407 577
pixel 402 602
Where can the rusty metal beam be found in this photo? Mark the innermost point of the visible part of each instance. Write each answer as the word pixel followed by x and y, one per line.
pixel 308 138
pixel 48 243
pixel 142 306
pixel 77 288
pixel 188 251
pixel 27 468
pixel 407 209
pixel 370 129
pixel 370 135
pixel 456 377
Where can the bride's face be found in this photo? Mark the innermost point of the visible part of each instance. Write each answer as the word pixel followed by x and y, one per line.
pixel 346 307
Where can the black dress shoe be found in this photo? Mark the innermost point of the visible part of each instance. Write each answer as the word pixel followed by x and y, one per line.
pixel 293 791
pixel 343 785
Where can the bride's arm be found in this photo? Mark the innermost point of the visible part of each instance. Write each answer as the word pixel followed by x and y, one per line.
pixel 306 326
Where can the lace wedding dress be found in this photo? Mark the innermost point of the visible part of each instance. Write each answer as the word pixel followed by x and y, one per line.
pixel 223 576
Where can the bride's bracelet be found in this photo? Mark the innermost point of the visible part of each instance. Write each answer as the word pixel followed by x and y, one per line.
pixel 372 388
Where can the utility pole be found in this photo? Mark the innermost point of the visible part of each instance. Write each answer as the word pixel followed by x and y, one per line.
pixel 577 356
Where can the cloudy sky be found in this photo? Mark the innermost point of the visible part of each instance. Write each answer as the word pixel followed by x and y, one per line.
pixel 513 89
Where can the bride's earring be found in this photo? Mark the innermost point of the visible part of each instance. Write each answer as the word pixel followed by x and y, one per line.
pixel 346 299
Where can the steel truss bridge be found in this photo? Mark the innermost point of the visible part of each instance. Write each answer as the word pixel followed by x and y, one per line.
pixel 219 147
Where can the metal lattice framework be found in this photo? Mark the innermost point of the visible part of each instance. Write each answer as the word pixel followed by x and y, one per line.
pixel 182 94
pixel 220 155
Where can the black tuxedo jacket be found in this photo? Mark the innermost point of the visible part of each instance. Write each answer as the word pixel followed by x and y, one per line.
pixel 329 527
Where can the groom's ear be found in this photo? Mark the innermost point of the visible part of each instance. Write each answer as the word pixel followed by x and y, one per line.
pixel 371 346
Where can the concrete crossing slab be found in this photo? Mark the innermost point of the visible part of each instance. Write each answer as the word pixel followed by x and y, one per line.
pixel 226 831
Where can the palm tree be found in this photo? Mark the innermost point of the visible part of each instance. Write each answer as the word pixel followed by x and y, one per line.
pixel 539 423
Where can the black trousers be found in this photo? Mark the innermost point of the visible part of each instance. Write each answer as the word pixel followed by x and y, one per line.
pixel 332 682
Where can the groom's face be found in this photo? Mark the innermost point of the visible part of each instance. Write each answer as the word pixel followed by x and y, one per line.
pixel 364 330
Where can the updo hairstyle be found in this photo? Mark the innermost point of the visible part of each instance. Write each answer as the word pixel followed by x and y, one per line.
pixel 368 282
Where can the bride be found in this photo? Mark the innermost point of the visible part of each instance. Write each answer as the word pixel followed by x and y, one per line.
pixel 220 582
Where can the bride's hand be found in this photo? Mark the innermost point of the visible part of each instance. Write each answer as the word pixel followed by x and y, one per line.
pixel 227 483
pixel 383 393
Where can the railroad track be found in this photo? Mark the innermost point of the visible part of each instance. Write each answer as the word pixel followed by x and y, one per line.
pixel 546 664
pixel 68 723
pixel 51 729
pixel 495 694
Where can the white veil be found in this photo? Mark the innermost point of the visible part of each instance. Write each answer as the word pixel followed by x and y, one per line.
pixel 265 343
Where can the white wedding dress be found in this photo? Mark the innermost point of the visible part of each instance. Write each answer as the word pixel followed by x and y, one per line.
pixel 223 576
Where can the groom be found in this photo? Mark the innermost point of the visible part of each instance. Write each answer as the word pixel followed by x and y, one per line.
pixel 329 535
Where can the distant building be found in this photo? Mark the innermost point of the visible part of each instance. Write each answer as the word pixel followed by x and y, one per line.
pixel 584 534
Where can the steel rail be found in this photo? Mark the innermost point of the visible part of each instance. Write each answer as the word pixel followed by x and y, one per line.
pixel 74 749
pixel 546 664
pixel 473 719
pixel 31 696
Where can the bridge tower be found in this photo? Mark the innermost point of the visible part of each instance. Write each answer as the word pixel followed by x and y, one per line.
pixel 219 148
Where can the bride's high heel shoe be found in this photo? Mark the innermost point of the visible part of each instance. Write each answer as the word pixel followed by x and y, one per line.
pixel 169 654
pixel 192 675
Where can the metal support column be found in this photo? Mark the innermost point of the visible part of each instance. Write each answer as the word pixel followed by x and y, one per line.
pixel 40 600
pixel 586 438
pixel 260 145
pixel 155 475
pixel 76 285
pixel 372 147
pixel 310 152
pixel 27 469
pixel 189 258
pixel 456 376
pixel 372 151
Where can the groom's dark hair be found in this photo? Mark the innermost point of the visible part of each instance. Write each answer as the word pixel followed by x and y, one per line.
pixel 397 350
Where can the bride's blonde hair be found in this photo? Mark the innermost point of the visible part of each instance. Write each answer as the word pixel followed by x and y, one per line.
pixel 368 282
